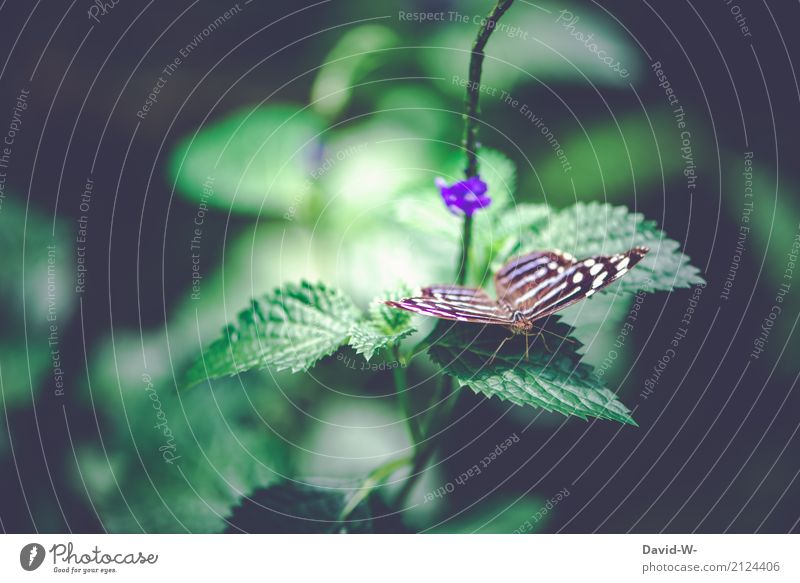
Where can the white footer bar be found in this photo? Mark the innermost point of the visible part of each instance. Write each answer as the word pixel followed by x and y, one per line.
pixel 405 558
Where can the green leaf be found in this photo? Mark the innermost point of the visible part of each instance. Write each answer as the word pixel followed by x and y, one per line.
pixel 358 52
pixel 391 320
pixel 293 328
pixel 587 229
pixel 521 219
pixel 366 339
pixel 551 381
pixel 259 160
pixel 385 326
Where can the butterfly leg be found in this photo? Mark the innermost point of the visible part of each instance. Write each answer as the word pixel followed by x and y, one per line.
pixel 543 331
pixel 527 347
pixel 537 335
pixel 544 342
pixel 494 354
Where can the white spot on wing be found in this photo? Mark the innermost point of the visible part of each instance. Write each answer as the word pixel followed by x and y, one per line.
pixel 623 264
pixel 596 268
pixel 536 289
pixel 598 281
pixel 589 262
pixel 578 277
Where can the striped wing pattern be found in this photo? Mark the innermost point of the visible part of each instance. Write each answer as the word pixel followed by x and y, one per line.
pixel 536 285
pixel 463 304
pixel 529 287
pixel 524 276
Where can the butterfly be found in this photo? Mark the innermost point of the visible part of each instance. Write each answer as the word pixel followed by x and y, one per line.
pixel 529 288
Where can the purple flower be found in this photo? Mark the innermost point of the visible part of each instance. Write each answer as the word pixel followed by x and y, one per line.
pixel 465 196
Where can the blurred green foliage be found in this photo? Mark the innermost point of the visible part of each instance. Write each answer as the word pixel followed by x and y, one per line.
pixel 175 462
pixel 354 55
pixel 256 161
pixel 774 226
pixel 615 160
pixel 36 284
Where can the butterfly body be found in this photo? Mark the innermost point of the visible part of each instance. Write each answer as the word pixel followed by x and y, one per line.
pixel 519 324
pixel 529 288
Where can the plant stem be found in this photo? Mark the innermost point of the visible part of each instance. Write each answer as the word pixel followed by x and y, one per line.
pixel 439 418
pixel 401 388
pixel 472 113
pixel 427 422
pixel 466 241
pixel 421 460
pixel 417 468
pixel 471 117
pixel 375 479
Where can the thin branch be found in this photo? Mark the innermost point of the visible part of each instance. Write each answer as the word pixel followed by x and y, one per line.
pixel 425 454
pixel 474 86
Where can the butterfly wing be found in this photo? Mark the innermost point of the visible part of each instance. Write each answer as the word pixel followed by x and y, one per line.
pixel 539 284
pixel 463 304
pixel 528 272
